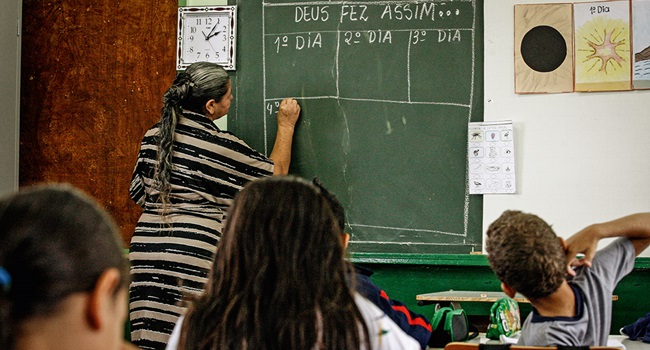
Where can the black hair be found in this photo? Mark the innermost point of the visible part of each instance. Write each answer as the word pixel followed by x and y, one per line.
pixel 279 280
pixel 335 204
pixel 54 241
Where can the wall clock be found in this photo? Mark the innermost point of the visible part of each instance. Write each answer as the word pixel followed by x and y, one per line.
pixel 206 34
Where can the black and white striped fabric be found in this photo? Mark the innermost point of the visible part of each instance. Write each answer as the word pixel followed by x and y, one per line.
pixel 171 252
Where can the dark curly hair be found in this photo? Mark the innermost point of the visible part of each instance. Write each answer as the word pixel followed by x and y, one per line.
pixel 526 254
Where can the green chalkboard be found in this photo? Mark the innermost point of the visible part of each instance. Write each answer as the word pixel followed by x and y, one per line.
pixel 387 89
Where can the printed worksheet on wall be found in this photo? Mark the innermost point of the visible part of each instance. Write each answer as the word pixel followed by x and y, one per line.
pixel 491 157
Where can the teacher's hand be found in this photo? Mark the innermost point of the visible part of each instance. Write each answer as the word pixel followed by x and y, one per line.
pixel 288 113
pixel 287 117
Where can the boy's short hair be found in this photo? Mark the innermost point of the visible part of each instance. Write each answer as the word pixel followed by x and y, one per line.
pixel 526 254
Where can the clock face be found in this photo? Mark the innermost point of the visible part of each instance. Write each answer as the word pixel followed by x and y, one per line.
pixel 206 34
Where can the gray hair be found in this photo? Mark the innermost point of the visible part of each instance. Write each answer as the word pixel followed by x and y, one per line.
pixel 191 90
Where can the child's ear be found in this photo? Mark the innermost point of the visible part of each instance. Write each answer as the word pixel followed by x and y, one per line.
pixel 508 290
pixel 101 298
pixel 345 239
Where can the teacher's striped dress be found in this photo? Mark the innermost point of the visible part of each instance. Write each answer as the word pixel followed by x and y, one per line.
pixel 171 254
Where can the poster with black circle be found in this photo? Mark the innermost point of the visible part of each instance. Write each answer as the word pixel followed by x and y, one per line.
pixel 543 48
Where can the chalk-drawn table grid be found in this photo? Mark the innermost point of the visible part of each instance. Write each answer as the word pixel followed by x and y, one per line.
pixel 346 39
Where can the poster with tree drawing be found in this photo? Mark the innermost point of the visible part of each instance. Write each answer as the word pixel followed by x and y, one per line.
pixel 602 46
pixel 641 43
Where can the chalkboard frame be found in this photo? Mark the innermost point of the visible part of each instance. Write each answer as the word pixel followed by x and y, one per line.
pixel 249 80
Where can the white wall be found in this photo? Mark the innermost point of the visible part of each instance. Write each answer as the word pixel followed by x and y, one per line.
pixel 581 157
pixel 9 94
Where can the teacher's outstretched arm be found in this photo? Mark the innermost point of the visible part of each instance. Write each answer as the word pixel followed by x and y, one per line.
pixel 287 118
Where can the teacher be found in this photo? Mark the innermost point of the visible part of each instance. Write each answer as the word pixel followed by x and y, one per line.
pixel 185 178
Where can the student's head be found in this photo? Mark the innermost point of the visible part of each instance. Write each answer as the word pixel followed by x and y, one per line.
pixel 57 246
pixel 279 277
pixel 287 214
pixel 526 254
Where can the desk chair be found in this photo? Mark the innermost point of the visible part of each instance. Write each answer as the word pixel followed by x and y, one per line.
pixel 474 346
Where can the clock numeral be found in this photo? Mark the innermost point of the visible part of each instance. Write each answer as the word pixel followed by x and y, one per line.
pixel 208 21
pixel 191 49
pixel 192 30
pixel 198 21
pixel 191 37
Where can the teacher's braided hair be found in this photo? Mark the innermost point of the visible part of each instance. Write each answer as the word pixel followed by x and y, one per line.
pixel 191 90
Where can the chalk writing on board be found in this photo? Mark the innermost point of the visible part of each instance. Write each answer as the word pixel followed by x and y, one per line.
pixel 425 25
pixel 386 89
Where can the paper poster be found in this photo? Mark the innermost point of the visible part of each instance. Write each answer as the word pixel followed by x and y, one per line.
pixel 602 46
pixel 491 157
pixel 543 48
pixel 641 43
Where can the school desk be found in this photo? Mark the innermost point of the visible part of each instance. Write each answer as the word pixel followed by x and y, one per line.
pixel 454 297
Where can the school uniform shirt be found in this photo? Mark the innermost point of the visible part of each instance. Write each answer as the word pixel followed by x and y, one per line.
pixel 593 288
pixel 172 248
pixel 384 333
pixel 415 325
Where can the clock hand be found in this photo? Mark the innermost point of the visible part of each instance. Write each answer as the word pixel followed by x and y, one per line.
pixel 215 50
pixel 212 32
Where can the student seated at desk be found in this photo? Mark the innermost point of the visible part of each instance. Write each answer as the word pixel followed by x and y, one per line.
pixel 280 280
pixel 63 274
pixel 415 325
pixel 529 258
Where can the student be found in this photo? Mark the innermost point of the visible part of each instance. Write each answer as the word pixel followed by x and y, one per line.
pixel 529 258
pixel 280 280
pixel 415 325
pixel 63 273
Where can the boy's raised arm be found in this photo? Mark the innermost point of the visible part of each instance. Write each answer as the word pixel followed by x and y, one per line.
pixel 635 227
